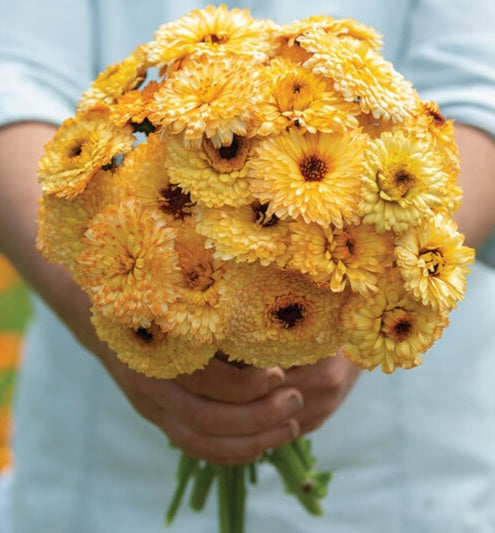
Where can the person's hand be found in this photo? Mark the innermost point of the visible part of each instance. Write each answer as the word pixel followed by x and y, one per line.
pixel 324 386
pixel 223 414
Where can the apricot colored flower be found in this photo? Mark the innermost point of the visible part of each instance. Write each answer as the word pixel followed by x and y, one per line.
pixel 313 176
pixel 360 74
pixel 390 329
pixel 151 351
pixel 129 264
pixel 133 107
pixel 144 174
pixel 297 97
pixel 80 148
pixel 345 29
pixel 434 263
pixel 279 318
pixel 212 30
pixel 116 80
pixel 335 258
pixel 213 177
pixel 197 311
pixel 62 223
pixel 213 96
pixel 403 183
pixel 245 234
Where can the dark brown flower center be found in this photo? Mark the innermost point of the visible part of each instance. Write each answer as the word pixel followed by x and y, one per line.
pixel 144 335
pixel 290 315
pixel 296 88
pixel 230 158
pixel 200 276
pixel 313 168
pixel 75 148
pixel 174 201
pixel 212 38
pixel 397 324
pixel 260 216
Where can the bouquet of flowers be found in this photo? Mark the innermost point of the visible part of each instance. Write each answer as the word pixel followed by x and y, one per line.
pixel 268 193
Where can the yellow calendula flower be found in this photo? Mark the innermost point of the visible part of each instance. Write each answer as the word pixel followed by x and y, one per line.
pixel 133 107
pixel 279 318
pixel 213 96
pixel 390 329
pixel 62 223
pixel 300 98
pixel 144 174
pixel 434 263
pixel 212 30
pixel 294 49
pixel 129 265
pixel 313 176
pixel 80 148
pixel 335 258
pixel 432 127
pixel 403 182
pixel 197 311
pixel 152 351
pixel 245 234
pixel 116 80
pixel 213 177
pixel 360 74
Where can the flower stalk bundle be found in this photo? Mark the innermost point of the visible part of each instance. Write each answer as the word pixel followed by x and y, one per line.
pixel 272 193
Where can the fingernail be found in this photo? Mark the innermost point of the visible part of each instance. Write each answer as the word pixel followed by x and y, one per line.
pixel 275 380
pixel 294 403
pixel 293 428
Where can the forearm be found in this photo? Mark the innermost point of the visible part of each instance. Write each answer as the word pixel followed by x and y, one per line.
pixel 476 217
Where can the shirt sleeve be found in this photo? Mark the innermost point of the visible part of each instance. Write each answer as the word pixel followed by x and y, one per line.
pixel 46 58
pixel 450 55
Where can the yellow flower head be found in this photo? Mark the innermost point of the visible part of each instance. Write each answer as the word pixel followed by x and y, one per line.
pixel 432 127
pixel 151 351
pixel 390 328
pixel 361 74
pixel 434 263
pixel 298 97
pixel 336 258
pixel 198 311
pixel 245 234
pixel 116 80
pixel 133 107
pixel 144 174
pixel 313 176
pixel 129 265
pixel 293 48
pixel 80 148
pixel 212 30
pixel 212 96
pixel 279 318
pixel 211 176
pixel 403 182
pixel 62 223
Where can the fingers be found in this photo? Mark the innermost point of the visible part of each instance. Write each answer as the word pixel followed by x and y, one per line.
pixel 226 450
pixel 223 381
pixel 211 417
pixel 324 387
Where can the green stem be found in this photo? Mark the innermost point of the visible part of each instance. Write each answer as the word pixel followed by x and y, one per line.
pixel 186 468
pixel 308 486
pixel 202 484
pixel 239 498
pixel 224 515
